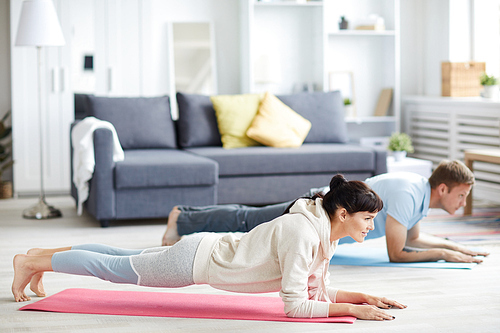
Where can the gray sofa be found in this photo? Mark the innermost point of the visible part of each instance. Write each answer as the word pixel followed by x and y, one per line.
pixel 171 163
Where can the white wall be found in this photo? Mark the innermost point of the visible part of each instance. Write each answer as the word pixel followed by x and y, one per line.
pixel 487 42
pixel 436 44
pixel 224 14
pixel 424 40
pixel 4 57
pixel 5 100
pixel 412 47
pixel 433 31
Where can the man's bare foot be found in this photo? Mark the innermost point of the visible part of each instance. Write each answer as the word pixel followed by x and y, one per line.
pixel 22 276
pixel 171 236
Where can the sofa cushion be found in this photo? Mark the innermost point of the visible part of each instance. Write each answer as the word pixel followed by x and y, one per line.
pixel 197 124
pixel 276 125
pixel 234 115
pixel 325 111
pixel 140 122
pixel 308 158
pixel 150 168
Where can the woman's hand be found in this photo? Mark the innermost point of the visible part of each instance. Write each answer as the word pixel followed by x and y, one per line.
pixel 383 303
pixel 373 310
pixel 363 306
pixel 370 312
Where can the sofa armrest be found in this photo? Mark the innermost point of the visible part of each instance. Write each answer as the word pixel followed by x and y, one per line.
pixel 380 161
pixel 102 202
pixel 74 192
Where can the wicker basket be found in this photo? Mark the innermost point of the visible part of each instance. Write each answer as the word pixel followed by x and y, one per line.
pixel 461 79
pixel 5 190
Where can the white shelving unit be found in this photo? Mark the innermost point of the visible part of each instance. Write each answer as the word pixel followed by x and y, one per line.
pixel 309 45
pixel 285 39
pixel 373 56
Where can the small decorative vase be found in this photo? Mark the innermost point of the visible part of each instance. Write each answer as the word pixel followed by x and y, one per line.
pixel 343 24
pixel 399 155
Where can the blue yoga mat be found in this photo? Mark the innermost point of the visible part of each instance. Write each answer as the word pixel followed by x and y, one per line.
pixel 369 256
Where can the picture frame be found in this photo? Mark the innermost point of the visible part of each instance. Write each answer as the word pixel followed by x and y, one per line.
pixel 343 81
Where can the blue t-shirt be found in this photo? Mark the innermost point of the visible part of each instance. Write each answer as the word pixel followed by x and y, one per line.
pixel 406 198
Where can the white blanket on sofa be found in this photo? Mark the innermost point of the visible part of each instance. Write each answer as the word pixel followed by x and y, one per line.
pixel 82 137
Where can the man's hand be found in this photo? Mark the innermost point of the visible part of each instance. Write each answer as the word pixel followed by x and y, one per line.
pixel 425 247
pixel 457 256
pixel 470 252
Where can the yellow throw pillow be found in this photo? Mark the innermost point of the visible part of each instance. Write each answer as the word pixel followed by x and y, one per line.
pixel 277 125
pixel 234 115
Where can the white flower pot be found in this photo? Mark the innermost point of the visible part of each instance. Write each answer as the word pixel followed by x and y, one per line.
pixel 399 155
pixel 350 111
pixel 490 92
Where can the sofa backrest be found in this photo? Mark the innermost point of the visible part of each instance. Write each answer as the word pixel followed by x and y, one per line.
pixel 197 124
pixel 140 122
pixel 145 122
pixel 81 106
pixel 325 111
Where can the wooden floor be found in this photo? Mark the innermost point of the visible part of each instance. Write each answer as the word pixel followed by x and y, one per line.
pixel 438 300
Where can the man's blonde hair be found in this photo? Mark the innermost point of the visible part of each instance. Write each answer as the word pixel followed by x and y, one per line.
pixel 451 173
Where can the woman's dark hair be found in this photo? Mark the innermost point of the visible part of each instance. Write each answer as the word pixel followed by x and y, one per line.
pixel 355 196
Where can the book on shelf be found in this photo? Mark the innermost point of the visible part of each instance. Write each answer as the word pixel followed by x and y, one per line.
pixel 384 102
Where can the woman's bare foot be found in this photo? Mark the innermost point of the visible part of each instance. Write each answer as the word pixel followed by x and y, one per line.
pixel 22 276
pixel 36 284
pixel 171 235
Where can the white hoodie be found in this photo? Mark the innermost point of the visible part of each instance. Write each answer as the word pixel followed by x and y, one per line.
pixel 290 254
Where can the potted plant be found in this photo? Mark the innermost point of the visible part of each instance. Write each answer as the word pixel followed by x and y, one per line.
pixel 400 144
pixel 348 108
pixel 5 157
pixel 490 85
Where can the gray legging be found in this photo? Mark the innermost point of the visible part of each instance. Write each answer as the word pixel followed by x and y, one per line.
pixel 169 266
pixel 230 218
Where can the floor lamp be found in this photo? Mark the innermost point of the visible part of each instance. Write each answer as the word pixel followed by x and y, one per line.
pixel 39 26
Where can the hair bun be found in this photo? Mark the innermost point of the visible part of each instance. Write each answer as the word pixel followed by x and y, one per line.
pixel 337 181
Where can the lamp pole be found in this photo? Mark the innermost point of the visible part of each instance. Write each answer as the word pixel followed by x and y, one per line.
pixel 41 210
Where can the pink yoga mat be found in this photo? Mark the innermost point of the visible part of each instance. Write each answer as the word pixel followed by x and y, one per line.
pixel 164 304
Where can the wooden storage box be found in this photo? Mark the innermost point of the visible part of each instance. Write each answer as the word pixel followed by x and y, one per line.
pixel 461 79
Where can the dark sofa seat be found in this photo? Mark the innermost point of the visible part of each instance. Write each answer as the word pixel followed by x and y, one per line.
pixel 150 168
pixel 309 158
pixel 279 174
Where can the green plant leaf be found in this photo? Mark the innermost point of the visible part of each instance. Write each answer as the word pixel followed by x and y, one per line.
pixel 488 80
pixel 5 132
pixel 400 142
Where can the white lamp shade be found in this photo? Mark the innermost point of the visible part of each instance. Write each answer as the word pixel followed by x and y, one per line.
pixel 39 25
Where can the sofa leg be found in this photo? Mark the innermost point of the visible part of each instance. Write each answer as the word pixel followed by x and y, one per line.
pixel 104 223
